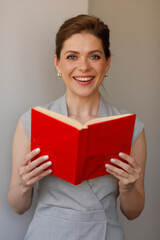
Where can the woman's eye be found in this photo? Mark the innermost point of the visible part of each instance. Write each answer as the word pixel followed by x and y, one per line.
pixel 95 57
pixel 71 57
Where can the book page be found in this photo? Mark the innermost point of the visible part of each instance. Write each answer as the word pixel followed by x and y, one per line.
pixel 75 123
pixel 104 119
pixel 60 117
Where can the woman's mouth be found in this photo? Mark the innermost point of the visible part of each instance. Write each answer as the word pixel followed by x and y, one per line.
pixel 84 79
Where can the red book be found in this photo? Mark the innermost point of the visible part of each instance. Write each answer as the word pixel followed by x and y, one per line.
pixel 80 152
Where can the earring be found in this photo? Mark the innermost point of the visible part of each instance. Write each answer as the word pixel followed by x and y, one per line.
pixel 106 75
pixel 59 74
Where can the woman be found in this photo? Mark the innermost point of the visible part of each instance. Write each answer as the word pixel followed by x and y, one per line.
pixel 86 211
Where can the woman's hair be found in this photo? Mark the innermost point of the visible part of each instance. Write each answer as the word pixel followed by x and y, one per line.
pixel 83 23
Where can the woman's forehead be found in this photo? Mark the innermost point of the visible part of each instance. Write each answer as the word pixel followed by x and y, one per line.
pixel 81 42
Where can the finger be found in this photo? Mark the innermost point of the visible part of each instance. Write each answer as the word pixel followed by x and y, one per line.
pixel 31 155
pixel 119 177
pixel 122 177
pixel 128 159
pixel 38 170
pixel 36 163
pixel 118 172
pixel 33 180
pixel 24 171
pixel 125 166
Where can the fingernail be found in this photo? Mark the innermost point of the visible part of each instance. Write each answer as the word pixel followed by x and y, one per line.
pixel 49 170
pixel 121 154
pixel 37 150
pixel 112 160
pixel 46 157
pixel 107 165
pixel 49 163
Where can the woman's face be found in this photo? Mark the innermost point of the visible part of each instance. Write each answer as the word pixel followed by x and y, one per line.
pixel 82 64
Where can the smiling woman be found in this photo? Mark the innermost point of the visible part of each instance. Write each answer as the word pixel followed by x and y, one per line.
pixel 82 65
pixel 88 210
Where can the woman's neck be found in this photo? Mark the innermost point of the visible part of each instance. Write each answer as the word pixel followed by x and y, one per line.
pixel 82 108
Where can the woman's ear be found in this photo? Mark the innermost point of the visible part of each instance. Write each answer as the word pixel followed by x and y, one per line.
pixel 56 63
pixel 108 64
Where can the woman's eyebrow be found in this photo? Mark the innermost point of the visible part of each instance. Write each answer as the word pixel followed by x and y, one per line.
pixel 97 50
pixel 71 51
pixel 76 52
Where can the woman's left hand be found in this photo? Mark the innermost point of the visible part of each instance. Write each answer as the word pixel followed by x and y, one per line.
pixel 127 172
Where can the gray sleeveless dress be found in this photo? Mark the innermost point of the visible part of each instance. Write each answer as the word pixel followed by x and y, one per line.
pixel 84 212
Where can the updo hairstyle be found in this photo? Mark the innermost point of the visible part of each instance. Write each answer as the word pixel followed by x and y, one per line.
pixel 83 23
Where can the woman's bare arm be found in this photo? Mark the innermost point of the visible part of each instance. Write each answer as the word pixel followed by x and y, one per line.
pixel 25 173
pixel 131 178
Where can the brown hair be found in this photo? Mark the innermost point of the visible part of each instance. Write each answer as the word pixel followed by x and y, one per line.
pixel 83 23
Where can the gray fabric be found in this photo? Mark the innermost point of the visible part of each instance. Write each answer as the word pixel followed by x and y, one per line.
pixel 87 211
pixel 59 106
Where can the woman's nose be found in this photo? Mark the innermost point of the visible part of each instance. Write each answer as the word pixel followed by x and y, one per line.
pixel 84 64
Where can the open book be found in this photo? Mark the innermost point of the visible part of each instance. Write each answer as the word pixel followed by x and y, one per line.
pixel 80 152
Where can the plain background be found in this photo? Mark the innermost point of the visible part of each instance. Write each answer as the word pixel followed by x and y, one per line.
pixel 134 84
pixel 28 78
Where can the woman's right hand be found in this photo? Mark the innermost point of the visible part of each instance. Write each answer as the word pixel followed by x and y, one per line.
pixel 32 171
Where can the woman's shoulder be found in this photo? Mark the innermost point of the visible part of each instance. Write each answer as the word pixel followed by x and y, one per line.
pixel 54 105
pixel 108 109
pixel 112 110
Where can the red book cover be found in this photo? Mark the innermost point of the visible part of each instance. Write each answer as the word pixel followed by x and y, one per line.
pixel 80 152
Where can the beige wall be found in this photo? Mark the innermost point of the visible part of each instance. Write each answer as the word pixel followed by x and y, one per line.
pixel 27 78
pixel 134 84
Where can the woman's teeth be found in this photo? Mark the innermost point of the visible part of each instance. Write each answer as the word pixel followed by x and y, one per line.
pixel 83 79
